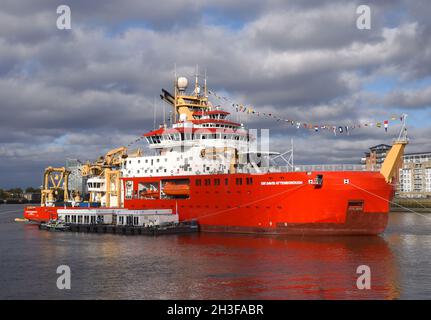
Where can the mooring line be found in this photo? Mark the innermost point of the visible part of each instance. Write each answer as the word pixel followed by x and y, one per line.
pixel 394 203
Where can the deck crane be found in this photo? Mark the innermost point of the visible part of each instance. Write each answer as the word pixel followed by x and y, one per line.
pixel 104 176
pixel 54 180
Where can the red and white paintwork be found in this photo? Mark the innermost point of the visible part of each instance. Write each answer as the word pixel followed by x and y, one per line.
pixel 347 202
pixel 272 204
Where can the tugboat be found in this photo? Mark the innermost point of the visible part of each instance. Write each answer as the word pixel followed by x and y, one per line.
pixel 54 225
pixel 206 168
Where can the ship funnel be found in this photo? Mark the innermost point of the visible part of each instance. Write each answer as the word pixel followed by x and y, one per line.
pixel 394 158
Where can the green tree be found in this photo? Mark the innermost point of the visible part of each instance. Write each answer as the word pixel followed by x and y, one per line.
pixel 32 190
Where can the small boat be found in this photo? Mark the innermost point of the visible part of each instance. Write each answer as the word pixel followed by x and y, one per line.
pixel 150 193
pixel 173 189
pixel 54 225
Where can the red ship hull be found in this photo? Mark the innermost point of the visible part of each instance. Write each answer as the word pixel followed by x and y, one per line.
pixel 345 203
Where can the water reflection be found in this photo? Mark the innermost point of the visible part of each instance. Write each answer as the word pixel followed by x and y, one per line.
pixel 207 266
pixel 294 268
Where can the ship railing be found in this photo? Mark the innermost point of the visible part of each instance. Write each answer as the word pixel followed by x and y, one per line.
pixel 330 167
pixel 310 168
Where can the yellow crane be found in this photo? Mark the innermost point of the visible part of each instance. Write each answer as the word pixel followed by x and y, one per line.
pixel 107 168
pixel 54 179
pixel 394 158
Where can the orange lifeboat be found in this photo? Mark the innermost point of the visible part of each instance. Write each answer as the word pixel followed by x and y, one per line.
pixel 149 194
pixel 173 189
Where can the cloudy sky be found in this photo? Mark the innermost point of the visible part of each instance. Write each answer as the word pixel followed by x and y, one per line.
pixel 77 93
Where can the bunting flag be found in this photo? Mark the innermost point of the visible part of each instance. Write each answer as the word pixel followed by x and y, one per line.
pixel 341 129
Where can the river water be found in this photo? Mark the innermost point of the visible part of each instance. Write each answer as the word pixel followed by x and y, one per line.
pixel 214 266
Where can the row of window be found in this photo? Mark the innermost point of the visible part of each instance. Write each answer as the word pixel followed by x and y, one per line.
pixel 95 184
pixel 151 160
pixel 151 171
pixel 86 219
pixel 99 219
pixel 129 220
pixel 189 136
pixel 217 181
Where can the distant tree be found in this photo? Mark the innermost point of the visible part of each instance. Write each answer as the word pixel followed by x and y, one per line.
pixel 15 192
pixel 32 190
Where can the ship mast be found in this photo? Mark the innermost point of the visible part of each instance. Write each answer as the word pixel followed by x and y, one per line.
pixel 197 82
pixel 175 93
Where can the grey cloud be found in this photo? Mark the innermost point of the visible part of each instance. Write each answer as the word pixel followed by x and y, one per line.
pixel 81 92
pixel 409 99
pixel 331 26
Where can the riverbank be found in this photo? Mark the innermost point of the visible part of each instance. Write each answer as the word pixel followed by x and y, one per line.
pixel 419 205
pixel 17 201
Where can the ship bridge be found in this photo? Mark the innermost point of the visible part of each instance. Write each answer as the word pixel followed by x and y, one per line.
pixel 200 140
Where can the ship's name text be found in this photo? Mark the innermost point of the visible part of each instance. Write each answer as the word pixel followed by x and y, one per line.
pixel 276 183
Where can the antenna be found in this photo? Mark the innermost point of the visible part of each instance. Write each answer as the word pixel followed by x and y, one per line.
pixel 164 115
pixel 291 155
pixel 205 84
pixel 196 80
pixel 175 93
pixel 154 114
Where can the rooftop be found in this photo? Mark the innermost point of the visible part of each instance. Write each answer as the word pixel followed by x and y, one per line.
pixel 418 153
pixel 380 146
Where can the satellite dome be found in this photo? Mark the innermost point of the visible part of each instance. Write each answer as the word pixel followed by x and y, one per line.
pixel 182 83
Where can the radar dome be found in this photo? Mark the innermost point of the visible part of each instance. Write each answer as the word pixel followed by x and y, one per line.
pixel 182 83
